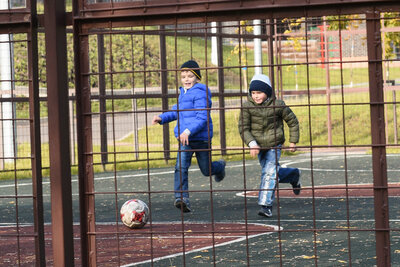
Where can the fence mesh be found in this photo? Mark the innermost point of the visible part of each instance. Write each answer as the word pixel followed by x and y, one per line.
pixel 128 70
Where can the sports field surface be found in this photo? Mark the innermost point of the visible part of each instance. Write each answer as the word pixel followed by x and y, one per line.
pixel 331 223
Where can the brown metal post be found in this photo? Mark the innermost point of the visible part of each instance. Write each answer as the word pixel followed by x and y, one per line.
pixel 379 166
pixel 102 100
pixel 36 161
pixel 395 117
pixel 270 33
pixel 85 145
pixel 60 169
pixel 328 84
pixel 221 89
pixel 85 149
pixel 278 55
pixel 164 91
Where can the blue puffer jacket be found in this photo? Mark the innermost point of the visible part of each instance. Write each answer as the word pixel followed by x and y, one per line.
pixel 198 97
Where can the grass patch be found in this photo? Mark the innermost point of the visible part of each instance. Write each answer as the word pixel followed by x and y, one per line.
pixel 350 126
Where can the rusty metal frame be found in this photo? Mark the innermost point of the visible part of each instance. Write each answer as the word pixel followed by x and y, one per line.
pixel 88 17
pixel 85 155
pixel 159 12
pixel 58 117
pixel 34 104
pixel 110 15
pixel 17 20
pixel 24 20
pixel 149 8
pixel 379 167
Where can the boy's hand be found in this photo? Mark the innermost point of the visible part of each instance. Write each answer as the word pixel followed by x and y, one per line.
pixel 156 119
pixel 184 139
pixel 292 147
pixel 254 151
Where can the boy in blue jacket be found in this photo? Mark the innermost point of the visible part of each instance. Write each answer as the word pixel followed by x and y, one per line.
pixel 194 131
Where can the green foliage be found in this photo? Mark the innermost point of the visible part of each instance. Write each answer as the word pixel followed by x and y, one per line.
pixel 292 25
pixel 344 22
pixel 350 123
pixel 391 39
pixel 133 61
pixel 350 22
pixel 130 60
pixel 350 126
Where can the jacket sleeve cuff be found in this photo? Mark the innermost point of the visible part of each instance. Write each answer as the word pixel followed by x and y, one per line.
pixel 253 143
pixel 187 131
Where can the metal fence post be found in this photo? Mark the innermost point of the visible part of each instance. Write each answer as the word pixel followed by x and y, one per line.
pixel 395 117
pixel 164 91
pixel 221 89
pixel 85 148
pixel 102 100
pixel 72 128
pixel 379 165
pixel 36 151
pixel 60 167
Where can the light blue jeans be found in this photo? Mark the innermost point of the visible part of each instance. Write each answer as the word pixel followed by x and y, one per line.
pixel 269 161
pixel 184 160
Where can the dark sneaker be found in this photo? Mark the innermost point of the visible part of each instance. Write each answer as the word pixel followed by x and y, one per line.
pixel 297 185
pixel 265 211
pixel 183 204
pixel 220 176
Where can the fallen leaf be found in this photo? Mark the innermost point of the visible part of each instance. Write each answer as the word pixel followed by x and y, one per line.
pixel 308 257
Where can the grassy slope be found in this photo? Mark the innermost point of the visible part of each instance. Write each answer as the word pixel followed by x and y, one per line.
pixel 351 121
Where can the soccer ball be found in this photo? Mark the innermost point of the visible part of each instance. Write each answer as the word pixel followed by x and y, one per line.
pixel 134 213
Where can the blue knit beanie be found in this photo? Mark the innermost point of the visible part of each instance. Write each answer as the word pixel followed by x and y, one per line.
pixel 261 82
pixel 193 67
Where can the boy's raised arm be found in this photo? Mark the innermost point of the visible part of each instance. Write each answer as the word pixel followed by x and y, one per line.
pixel 156 120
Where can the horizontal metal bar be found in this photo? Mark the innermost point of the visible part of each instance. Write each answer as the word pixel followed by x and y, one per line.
pixel 129 13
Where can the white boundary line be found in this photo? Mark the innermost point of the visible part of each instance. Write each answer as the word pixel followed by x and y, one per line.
pixel 207 247
pixel 318 187
pixel 236 238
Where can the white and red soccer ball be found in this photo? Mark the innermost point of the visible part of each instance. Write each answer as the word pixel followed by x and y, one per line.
pixel 134 213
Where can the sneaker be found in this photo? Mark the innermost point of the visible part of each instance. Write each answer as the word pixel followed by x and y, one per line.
pixel 297 185
pixel 183 204
pixel 265 211
pixel 220 176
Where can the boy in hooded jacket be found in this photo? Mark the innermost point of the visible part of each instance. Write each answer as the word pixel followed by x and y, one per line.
pixel 194 131
pixel 261 128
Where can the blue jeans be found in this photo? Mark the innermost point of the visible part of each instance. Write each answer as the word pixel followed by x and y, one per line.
pixel 269 161
pixel 184 160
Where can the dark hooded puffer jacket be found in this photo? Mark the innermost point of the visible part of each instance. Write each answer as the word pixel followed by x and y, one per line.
pixel 264 123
